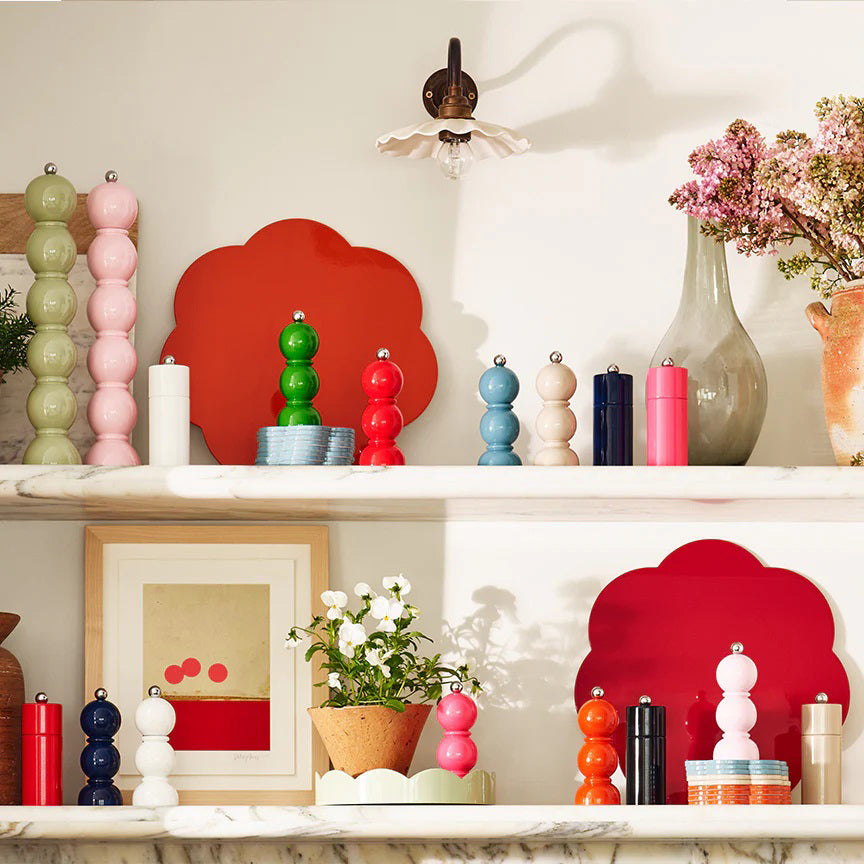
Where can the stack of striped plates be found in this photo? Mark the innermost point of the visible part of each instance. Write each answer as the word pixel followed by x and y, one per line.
pixel 737 781
pixel 305 445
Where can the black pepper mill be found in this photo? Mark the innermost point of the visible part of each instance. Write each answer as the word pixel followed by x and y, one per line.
pixel 646 753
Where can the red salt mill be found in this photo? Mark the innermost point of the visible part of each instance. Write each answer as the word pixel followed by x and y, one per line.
pixel 382 420
pixel 41 752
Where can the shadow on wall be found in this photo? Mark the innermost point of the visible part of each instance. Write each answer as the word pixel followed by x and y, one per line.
pixel 527 673
pixel 628 113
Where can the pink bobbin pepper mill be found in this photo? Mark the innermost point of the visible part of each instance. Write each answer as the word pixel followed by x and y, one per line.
pixel 111 310
pixel 666 402
pixel 382 420
pixel 456 714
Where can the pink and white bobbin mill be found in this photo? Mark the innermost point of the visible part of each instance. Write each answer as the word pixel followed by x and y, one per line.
pixel 456 714
pixel 736 713
pixel 111 310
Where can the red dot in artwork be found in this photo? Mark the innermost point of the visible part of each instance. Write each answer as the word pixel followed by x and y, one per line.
pixel 218 673
pixel 191 667
pixel 174 674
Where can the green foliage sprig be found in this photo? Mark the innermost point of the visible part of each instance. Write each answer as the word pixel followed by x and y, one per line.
pixel 381 667
pixel 15 332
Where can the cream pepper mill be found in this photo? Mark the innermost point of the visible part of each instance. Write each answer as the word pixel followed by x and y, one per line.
pixel 556 423
pixel 821 752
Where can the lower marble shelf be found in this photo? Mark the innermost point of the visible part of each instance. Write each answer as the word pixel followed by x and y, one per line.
pixel 433 824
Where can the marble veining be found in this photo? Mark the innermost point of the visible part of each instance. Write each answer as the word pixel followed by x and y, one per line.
pixel 15 428
pixel 765 852
pixel 431 835
pixel 434 492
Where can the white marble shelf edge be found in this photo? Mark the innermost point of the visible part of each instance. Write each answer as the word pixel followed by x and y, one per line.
pixel 433 492
pixel 524 824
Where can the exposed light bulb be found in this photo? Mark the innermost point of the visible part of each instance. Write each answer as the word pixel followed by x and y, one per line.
pixel 455 159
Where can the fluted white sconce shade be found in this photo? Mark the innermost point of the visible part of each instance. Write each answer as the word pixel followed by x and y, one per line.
pixel 454 138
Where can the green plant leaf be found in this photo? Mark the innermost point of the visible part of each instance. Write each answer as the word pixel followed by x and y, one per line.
pixel 395 704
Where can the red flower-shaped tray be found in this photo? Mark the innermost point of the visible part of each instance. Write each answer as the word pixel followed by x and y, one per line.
pixel 232 303
pixel 661 631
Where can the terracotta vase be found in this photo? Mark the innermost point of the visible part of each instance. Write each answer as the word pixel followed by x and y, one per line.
pixel 11 699
pixel 361 738
pixel 842 332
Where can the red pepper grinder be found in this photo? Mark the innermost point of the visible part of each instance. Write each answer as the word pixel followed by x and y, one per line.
pixel 382 420
pixel 41 752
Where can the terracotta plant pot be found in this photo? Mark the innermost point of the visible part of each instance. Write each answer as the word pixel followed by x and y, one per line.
pixel 842 334
pixel 361 738
pixel 11 699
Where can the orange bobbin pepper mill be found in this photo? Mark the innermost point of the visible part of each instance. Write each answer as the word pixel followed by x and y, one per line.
pixel 598 760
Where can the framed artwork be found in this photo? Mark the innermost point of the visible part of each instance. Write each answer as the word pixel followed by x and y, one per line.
pixel 202 612
pixel 15 228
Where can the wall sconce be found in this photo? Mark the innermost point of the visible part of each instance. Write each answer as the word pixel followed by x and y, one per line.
pixel 454 138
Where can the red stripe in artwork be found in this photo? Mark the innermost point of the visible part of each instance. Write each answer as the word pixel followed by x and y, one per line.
pixel 211 724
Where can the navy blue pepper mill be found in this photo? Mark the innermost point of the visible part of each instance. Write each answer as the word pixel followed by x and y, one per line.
pixel 613 418
pixel 100 759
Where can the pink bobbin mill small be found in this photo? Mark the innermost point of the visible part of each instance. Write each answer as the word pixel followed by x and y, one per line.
pixel 111 310
pixel 456 714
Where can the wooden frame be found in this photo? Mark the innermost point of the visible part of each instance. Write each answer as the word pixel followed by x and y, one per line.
pixel 99 536
pixel 16 226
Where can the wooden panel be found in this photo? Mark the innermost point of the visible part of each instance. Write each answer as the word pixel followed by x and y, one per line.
pixel 16 225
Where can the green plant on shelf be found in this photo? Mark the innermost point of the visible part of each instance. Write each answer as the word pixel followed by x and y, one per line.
pixel 857 460
pixel 15 332
pixel 372 655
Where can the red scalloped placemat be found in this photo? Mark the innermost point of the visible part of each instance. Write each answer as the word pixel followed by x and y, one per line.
pixel 232 303
pixel 661 631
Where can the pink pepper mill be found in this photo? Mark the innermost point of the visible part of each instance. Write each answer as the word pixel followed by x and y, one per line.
pixel 382 420
pixel 666 401
pixel 112 259
pixel 457 713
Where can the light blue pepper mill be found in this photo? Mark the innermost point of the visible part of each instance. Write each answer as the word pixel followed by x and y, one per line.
pixel 499 426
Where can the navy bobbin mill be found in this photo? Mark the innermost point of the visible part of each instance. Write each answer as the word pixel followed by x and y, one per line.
pixel 100 759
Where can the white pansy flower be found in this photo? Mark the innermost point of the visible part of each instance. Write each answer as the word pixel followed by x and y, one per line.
pixel 333 681
pixel 351 636
pixel 362 589
pixel 397 583
pixel 374 657
pixel 335 601
pixel 388 612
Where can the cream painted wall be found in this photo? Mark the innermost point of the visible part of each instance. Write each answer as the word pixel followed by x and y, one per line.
pixel 523 592
pixel 226 116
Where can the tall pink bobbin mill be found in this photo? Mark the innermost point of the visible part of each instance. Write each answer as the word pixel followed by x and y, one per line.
pixel 382 420
pixel 456 714
pixel 111 310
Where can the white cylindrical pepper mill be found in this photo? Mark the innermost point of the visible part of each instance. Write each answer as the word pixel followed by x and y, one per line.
pixel 169 413
pixel 821 752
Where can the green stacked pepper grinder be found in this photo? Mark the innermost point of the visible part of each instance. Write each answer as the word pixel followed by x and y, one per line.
pixel 298 382
pixel 51 303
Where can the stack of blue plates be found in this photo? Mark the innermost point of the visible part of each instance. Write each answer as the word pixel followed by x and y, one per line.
pixel 305 445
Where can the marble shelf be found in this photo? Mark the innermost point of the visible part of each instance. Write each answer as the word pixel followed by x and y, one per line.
pixel 433 493
pixel 536 824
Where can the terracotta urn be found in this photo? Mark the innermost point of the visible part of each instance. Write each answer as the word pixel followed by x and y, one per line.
pixel 360 738
pixel 11 699
pixel 842 332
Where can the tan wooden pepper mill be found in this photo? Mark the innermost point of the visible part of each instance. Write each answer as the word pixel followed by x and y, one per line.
pixel 821 752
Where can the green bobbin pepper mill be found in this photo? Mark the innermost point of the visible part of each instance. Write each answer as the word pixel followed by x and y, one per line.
pixel 299 382
pixel 51 304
